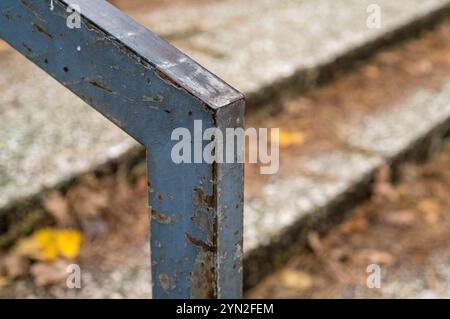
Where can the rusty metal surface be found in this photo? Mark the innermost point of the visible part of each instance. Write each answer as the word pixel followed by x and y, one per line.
pixel 148 88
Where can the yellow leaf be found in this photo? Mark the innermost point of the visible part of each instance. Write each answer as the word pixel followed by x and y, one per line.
pixel 27 247
pixel 290 138
pixel 46 240
pixel 68 242
pixel 44 236
pixel 4 281
pixel 432 211
pixel 296 279
pixel 48 244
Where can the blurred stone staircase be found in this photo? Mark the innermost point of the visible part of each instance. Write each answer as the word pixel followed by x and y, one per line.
pixel 268 50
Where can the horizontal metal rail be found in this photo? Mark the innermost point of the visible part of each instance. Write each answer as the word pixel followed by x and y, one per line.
pixel 149 88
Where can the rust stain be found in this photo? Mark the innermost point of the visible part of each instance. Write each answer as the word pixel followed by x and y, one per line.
pixel 212 202
pixel 164 281
pixel 159 196
pixel 199 198
pixel 27 47
pixel 25 4
pixel 101 86
pixel 162 219
pixel 42 30
pixel 202 280
pixel 199 243
pixel 163 76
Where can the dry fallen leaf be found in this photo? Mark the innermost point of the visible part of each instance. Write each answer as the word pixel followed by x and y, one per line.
pixel 372 256
pixel 400 218
pixel 295 279
pixel 88 202
pixel 382 187
pixel 372 71
pixel 403 190
pixel 14 266
pixel 290 138
pixel 68 243
pixel 314 242
pixel 4 281
pixel 47 244
pixel 57 205
pixel 354 224
pixel 49 273
pixel 27 247
pixel 431 209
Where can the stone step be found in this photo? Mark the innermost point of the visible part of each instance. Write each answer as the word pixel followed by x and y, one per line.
pixel 264 46
pixel 278 221
pixel 329 182
pixel 312 191
pixel 49 136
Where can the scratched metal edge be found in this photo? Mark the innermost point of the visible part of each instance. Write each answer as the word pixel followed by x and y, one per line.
pixel 230 213
pixel 172 64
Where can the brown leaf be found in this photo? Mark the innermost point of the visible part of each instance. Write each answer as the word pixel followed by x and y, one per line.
pixel 57 205
pixel 314 242
pixel 14 266
pixel 141 185
pixel 354 224
pixel 45 274
pixel 87 202
pixel 383 188
pixel 295 279
pixel 4 281
pixel 372 256
pixel 372 71
pixel 432 211
pixel 286 138
pixel 400 218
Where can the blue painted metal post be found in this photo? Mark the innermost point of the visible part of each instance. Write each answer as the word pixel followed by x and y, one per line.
pixel 149 88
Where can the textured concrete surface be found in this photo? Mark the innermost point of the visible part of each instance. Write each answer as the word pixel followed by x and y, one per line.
pixel 130 279
pixel 327 177
pixel 252 44
pixel 333 176
pixel 378 139
pixel 48 136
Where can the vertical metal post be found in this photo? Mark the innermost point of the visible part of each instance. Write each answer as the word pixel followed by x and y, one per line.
pixel 196 226
pixel 149 89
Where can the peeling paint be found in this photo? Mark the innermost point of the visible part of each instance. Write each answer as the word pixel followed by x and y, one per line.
pixel 42 30
pixel 202 280
pixel 101 86
pixel 200 199
pixel 199 243
pixel 156 99
pixel 164 281
pixel 162 219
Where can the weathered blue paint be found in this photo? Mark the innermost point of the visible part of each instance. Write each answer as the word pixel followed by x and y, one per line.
pixel 149 88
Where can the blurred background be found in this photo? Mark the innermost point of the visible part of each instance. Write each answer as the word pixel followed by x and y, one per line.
pixel 360 91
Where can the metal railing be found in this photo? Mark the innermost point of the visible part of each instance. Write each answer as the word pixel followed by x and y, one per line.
pixel 149 88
